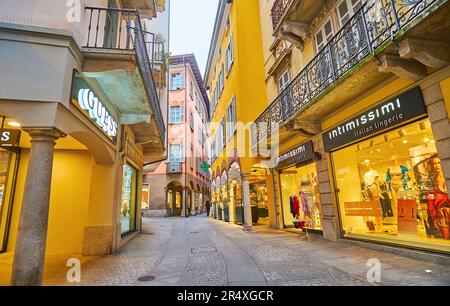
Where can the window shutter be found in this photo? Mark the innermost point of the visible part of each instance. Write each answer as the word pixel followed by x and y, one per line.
pixel 182 152
pixel 182 80
pixel 182 114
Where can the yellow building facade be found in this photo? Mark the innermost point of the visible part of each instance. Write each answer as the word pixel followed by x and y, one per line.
pixel 235 80
pixel 357 119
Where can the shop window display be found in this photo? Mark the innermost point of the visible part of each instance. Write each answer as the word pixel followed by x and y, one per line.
pixel 145 202
pixel 128 208
pixel 301 197
pixel 258 198
pixel 391 188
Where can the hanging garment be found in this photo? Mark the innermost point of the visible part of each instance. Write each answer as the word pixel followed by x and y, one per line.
pixel 296 206
pixel 291 203
pixel 386 203
pixel 305 205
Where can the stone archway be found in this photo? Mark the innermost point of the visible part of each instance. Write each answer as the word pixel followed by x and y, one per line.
pixel 235 193
pixel 174 196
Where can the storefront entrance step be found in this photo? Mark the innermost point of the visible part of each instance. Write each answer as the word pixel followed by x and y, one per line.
pixel 423 255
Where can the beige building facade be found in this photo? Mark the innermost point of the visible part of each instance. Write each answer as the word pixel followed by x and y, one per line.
pixel 81 116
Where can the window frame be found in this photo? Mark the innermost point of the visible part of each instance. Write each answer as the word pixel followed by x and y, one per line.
pixel 180 107
pixel 326 38
pixel 281 88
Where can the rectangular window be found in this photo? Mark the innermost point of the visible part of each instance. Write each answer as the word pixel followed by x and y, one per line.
pixel 229 58
pixel 232 120
pixel 223 134
pixel 145 202
pixel 346 9
pixel 129 199
pixel 300 186
pixel 176 114
pixel 191 120
pixel 221 80
pixel 324 35
pixel 175 153
pixel 284 80
pixel 177 81
pixel 191 90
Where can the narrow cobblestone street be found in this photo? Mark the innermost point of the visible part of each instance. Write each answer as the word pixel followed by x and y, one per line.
pixel 200 251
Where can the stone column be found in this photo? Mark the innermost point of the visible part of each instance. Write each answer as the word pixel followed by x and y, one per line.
pixel 328 204
pixel 194 203
pixel 248 223
pixel 440 125
pixel 184 205
pixel 29 254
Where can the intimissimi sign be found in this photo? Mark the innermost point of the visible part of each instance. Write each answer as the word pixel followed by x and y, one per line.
pixel 302 154
pixel 405 107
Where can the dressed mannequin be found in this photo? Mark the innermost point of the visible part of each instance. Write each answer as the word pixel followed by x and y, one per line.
pixel 397 177
pixel 372 185
pixel 438 202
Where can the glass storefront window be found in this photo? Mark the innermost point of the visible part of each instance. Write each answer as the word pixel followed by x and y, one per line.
pixel 258 198
pixel 128 207
pixel 301 197
pixel 145 202
pixel 391 188
pixel 7 165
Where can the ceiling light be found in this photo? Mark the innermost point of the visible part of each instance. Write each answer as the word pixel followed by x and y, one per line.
pixel 426 139
pixel 14 123
pixel 405 141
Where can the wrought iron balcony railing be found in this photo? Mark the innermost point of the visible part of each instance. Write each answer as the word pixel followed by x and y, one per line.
pixel 121 29
pixel 278 10
pixel 365 34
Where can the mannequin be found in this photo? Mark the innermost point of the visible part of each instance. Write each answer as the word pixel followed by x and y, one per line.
pixel 372 185
pixel 397 177
pixel 438 202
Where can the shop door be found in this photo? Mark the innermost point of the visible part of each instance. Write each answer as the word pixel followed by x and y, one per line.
pixel 8 166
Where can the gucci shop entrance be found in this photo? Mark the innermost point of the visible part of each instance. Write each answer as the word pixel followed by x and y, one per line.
pixel 389 183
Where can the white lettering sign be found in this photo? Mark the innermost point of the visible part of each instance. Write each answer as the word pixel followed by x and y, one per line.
pixel 6 136
pixel 97 111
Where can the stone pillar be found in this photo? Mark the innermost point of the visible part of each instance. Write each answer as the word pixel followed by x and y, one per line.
pixel 184 205
pixel 29 254
pixel 440 125
pixel 194 203
pixel 231 205
pixel 248 223
pixel 329 214
pixel 276 201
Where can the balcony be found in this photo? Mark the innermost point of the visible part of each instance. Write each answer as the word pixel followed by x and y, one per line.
pixel 118 58
pixel 347 63
pixel 291 18
pixel 147 6
pixel 157 49
pixel 174 168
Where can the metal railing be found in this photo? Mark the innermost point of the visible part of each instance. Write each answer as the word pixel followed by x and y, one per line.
pixel 174 168
pixel 278 10
pixel 121 29
pixel 374 24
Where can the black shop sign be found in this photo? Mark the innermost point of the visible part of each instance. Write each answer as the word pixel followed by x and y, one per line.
pixel 9 137
pixel 407 106
pixel 299 155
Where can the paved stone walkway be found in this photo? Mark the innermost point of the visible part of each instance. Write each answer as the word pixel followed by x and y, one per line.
pixel 201 251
